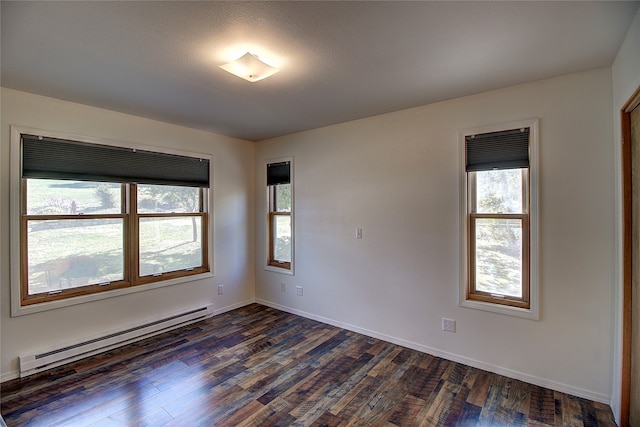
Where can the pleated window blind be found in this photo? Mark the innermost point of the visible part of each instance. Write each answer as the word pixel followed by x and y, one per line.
pixel 497 150
pixel 51 158
pixel 279 173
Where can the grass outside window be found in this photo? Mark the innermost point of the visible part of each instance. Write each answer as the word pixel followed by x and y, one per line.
pixel 82 237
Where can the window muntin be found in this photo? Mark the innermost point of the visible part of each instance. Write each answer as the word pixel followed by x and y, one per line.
pixel 280 231
pixel 499 203
pixel 85 237
pixel 498 237
pixel 279 235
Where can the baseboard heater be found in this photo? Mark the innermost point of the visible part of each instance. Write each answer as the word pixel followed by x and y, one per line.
pixel 52 358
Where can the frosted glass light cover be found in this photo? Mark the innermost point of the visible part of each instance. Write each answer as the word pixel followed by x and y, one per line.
pixel 250 67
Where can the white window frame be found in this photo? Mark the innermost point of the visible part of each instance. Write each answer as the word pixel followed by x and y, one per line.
pixel 14 219
pixel 533 312
pixel 289 271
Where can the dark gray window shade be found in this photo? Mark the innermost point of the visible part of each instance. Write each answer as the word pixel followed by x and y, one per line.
pixel 498 150
pixel 279 173
pixel 52 158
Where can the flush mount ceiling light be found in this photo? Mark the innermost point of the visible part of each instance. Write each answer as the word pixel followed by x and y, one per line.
pixel 250 67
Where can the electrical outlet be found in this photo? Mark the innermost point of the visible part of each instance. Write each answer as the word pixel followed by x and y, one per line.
pixel 358 233
pixel 299 290
pixel 283 287
pixel 448 325
pixel 220 289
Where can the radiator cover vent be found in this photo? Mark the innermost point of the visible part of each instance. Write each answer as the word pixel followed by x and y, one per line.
pixel 51 358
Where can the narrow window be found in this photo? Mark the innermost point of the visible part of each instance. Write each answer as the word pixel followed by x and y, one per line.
pixel 280 220
pixel 498 218
pixel 499 236
pixel 99 217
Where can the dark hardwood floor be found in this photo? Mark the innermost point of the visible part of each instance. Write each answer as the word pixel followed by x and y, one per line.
pixel 260 366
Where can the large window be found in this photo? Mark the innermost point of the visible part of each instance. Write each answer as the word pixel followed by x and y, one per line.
pixel 498 219
pixel 96 217
pixel 280 220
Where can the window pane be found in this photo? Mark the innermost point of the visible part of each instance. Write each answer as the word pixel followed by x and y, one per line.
pixel 283 198
pixel 499 256
pixel 168 198
pixel 72 253
pixel 282 238
pixel 57 197
pixel 499 191
pixel 170 244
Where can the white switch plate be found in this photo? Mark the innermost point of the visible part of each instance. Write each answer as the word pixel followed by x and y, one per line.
pixel 299 290
pixel 448 325
pixel 358 233
pixel 283 287
pixel 220 289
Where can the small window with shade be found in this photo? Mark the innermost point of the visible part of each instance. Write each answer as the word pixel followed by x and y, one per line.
pixel 280 218
pixel 500 219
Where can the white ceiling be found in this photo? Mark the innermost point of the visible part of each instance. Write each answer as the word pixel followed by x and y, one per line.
pixel 339 60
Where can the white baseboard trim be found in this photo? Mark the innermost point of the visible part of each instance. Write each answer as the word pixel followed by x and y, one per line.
pixel 217 311
pixel 542 382
pixel 12 375
pixel 8 376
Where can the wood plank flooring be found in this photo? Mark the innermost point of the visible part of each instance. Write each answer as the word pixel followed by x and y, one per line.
pixel 257 366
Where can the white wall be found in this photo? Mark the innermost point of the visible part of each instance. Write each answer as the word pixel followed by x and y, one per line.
pixel 625 73
pixel 233 231
pixel 396 176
